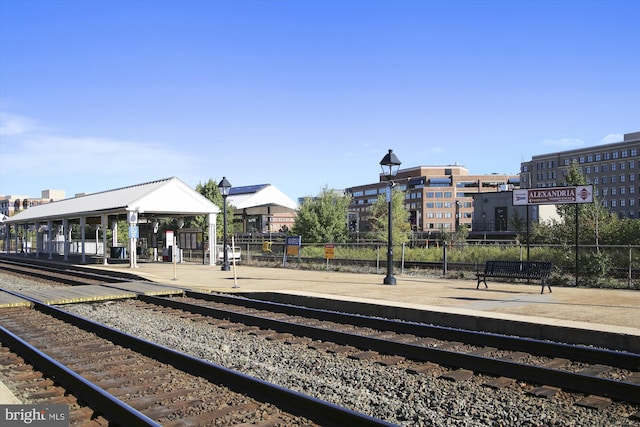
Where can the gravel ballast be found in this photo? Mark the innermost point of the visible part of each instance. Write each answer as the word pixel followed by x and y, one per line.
pixel 390 393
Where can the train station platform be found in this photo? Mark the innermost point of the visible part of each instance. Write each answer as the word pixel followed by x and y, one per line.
pixel 608 317
pixel 588 310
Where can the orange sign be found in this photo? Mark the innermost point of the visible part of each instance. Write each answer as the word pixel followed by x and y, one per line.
pixel 329 251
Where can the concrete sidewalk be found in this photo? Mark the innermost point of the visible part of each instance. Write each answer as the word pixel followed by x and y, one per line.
pixel 598 309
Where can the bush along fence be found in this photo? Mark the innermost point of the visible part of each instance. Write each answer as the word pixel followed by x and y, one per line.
pixel 602 266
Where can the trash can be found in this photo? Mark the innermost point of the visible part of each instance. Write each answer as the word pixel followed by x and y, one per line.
pixel 119 252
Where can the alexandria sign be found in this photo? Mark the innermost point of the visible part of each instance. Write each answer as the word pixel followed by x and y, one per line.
pixel 553 195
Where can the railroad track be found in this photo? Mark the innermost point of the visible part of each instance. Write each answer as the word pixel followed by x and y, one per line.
pixel 129 381
pixel 63 274
pixel 600 372
pixel 454 354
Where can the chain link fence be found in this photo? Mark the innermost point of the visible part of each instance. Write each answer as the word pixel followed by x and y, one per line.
pixel 611 266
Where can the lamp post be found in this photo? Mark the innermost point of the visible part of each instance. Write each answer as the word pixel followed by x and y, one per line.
pixel 224 188
pixel 390 165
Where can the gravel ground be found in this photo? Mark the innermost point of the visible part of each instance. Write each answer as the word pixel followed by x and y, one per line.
pixel 388 393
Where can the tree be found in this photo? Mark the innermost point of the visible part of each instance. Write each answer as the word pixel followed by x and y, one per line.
pixel 323 219
pixel 210 190
pixel 380 218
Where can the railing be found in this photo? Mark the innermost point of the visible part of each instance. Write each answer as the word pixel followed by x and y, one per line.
pixel 597 266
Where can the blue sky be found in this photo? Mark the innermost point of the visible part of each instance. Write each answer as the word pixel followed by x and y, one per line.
pixel 302 94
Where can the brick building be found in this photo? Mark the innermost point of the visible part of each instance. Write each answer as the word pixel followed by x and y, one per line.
pixel 438 198
pixel 613 170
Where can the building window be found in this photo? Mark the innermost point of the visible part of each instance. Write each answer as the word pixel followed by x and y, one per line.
pixel 370 191
pixel 613 204
pixel 632 177
pixel 438 194
pixel 429 205
pixel 623 203
pixel 615 154
pixel 632 164
pixel 596 169
pixel 448 194
pixel 634 152
pixel 598 157
pixel 632 189
pixel 622 177
pixel 622 190
pixel 606 156
pixel 624 153
pixel 613 191
pixel 588 170
pixel 613 179
pixel 589 159
pixel 622 165
pixel 613 167
pixel 604 168
pixel 581 160
pixel 604 179
pixel 566 162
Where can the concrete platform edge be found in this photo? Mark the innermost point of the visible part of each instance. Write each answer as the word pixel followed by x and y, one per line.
pixel 536 328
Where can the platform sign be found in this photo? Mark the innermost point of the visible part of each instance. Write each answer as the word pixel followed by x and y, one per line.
pixel 134 232
pixel 329 251
pixel 293 245
pixel 553 195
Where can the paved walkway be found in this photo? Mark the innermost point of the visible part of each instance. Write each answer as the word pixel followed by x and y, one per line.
pixel 598 309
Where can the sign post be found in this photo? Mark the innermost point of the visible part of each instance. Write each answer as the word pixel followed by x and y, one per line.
pixel 553 196
pixel 132 219
pixel 292 247
pixel 329 253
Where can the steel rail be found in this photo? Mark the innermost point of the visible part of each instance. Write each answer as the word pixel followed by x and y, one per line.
pixel 113 408
pixel 322 412
pixel 576 382
pixel 620 359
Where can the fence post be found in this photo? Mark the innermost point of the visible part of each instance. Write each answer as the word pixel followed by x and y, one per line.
pixel 444 259
pixel 630 260
pixel 402 262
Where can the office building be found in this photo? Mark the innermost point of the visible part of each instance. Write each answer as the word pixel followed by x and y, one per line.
pixel 438 198
pixel 613 170
pixel 12 204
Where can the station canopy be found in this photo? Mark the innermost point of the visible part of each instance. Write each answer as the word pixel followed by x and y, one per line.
pixel 260 199
pixel 164 197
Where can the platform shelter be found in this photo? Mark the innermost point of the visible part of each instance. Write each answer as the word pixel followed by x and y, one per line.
pixel 141 204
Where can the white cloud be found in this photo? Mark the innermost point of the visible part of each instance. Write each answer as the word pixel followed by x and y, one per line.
pixel 564 143
pixel 84 164
pixel 12 124
pixel 612 137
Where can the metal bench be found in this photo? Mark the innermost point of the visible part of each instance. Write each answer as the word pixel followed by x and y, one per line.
pixel 526 270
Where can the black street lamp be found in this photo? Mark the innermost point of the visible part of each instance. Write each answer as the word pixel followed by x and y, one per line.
pixel 224 186
pixel 390 165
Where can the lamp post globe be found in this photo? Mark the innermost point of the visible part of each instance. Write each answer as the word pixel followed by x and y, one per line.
pixel 390 165
pixel 224 186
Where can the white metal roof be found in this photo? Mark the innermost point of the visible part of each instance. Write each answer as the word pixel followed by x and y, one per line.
pixel 261 199
pixel 168 196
